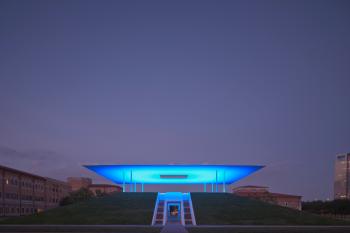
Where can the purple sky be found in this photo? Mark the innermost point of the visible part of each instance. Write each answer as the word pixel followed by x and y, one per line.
pixel 234 82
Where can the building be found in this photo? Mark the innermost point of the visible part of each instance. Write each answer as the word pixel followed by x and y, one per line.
pixel 98 189
pixel 262 193
pixel 342 176
pixel 23 193
pixel 77 183
pixel 174 207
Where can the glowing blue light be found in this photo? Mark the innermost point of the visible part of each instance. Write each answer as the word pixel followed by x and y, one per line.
pixel 173 174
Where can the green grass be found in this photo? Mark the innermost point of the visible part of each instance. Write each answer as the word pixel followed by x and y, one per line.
pixel 119 208
pixel 224 209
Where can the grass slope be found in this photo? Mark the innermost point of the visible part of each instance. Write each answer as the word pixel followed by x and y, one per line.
pixel 224 208
pixel 119 208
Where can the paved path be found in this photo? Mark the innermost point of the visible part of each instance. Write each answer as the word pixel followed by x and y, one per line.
pixel 174 228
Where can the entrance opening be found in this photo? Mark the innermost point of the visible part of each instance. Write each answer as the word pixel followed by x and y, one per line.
pixel 174 212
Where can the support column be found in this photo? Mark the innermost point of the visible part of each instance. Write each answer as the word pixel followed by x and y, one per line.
pixel 216 181
pixel 131 188
pixel 205 187
pixel 123 181
pixel 223 184
pixel 135 187
pixel 142 188
pixel 212 187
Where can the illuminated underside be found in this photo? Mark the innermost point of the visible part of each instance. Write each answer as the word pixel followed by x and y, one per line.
pixel 173 174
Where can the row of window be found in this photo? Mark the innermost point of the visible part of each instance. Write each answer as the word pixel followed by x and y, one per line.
pixel 15 196
pixel 27 184
pixel 54 200
pixel 30 185
pixel 13 210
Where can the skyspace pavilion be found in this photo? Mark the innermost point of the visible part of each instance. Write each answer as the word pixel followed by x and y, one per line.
pixel 212 175
pixel 174 207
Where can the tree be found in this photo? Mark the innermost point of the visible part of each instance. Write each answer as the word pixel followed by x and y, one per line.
pixel 82 194
pixel 335 207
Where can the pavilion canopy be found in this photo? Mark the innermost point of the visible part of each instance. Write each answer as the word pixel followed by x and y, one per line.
pixel 174 174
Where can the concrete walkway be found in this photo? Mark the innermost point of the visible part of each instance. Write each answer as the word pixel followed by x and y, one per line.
pixel 174 228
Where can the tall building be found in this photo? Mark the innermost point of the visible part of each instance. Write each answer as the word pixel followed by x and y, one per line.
pixel 23 193
pixel 342 177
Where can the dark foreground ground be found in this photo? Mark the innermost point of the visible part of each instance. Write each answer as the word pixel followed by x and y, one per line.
pixel 149 229
pixel 270 229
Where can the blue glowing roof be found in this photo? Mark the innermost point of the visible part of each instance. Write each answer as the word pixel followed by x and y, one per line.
pixel 173 174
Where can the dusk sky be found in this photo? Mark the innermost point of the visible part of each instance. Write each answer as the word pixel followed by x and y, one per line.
pixel 182 82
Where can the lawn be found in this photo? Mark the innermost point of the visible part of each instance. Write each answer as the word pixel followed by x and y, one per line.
pixel 119 208
pixel 224 209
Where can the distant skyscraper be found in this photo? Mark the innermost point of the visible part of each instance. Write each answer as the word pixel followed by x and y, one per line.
pixel 342 177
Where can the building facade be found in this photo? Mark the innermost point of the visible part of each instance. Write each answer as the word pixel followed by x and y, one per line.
pixel 98 189
pixel 263 194
pixel 77 183
pixel 342 176
pixel 23 193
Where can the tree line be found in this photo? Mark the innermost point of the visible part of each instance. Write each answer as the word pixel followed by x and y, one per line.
pixel 80 195
pixel 335 207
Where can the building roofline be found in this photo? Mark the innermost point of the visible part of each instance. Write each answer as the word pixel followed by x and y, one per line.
pixel 22 172
pixel 285 195
pixel 28 174
pixel 250 186
pixel 104 185
pixel 55 180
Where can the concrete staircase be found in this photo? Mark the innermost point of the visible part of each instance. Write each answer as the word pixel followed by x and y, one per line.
pixel 159 218
pixel 187 213
pixel 160 211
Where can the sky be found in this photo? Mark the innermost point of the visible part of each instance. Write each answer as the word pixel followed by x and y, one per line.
pixel 177 82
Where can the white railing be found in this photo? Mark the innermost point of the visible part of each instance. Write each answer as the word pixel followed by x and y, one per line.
pixel 155 210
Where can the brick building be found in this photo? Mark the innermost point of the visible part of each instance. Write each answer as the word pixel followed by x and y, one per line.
pixel 104 188
pixel 77 183
pixel 263 194
pixel 23 193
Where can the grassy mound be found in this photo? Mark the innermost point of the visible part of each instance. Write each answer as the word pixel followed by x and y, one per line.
pixel 119 208
pixel 137 208
pixel 224 208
